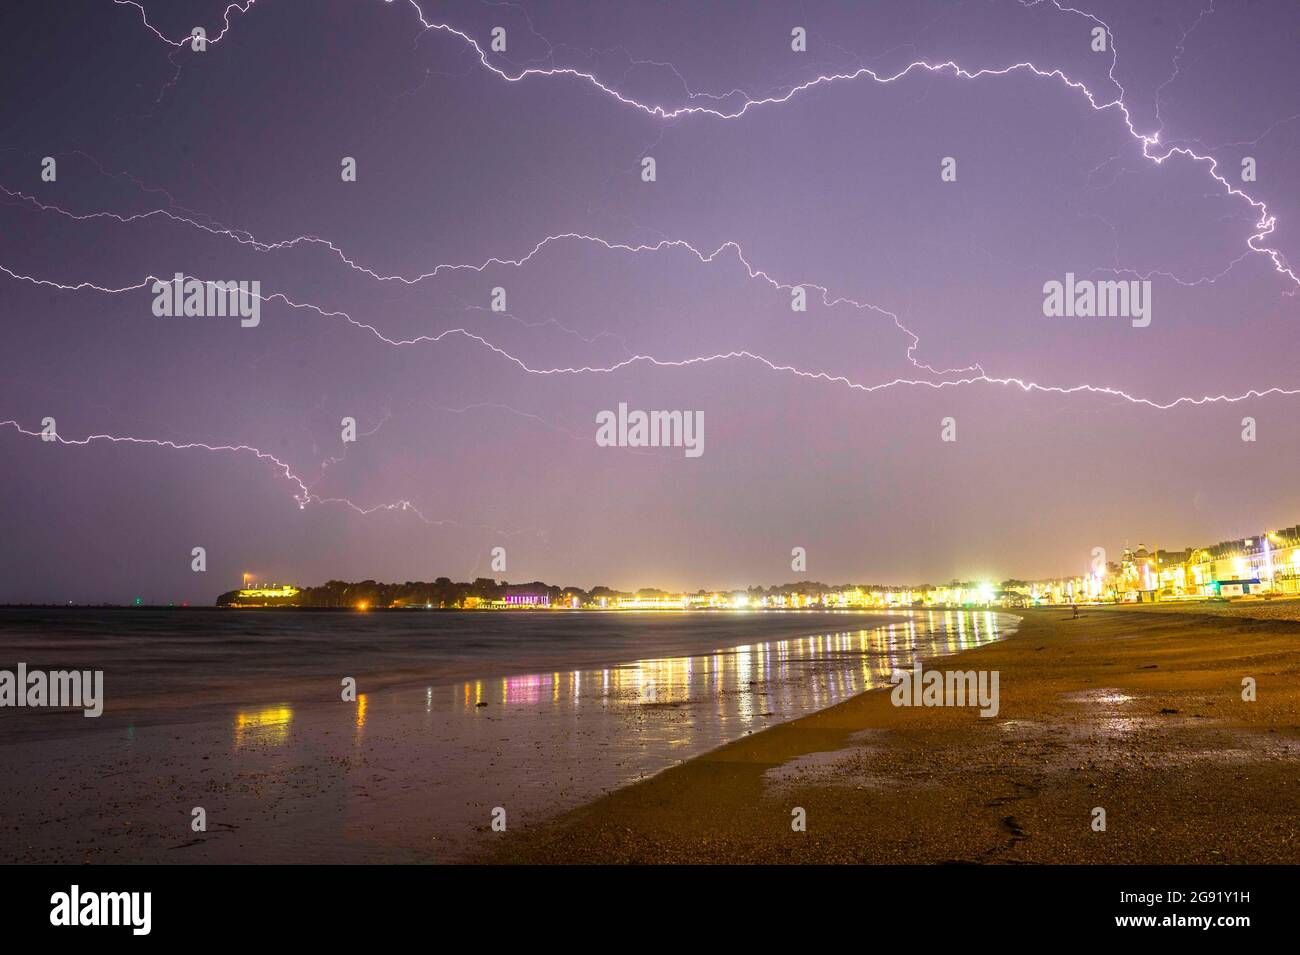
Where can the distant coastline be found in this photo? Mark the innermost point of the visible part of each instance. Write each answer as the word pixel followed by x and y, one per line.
pixel 488 594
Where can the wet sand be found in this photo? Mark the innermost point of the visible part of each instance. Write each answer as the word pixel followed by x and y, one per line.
pixel 1138 713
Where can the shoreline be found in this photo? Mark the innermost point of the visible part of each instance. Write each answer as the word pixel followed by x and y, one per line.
pixel 412 774
pixel 1137 713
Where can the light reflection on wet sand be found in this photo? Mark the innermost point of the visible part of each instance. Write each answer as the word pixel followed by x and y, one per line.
pixel 266 726
pixel 792 677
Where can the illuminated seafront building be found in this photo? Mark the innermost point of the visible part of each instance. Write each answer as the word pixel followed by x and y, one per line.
pixel 516 601
pixel 267 595
pixel 1266 564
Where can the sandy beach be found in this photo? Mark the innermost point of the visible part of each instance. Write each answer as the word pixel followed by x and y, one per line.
pixel 1138 713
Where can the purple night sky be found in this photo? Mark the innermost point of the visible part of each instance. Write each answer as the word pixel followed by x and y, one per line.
pixel 225 165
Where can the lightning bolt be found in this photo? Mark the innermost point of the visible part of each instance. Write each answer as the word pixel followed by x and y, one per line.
pixel 981 378
pixel 828 298
pixel 302 496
